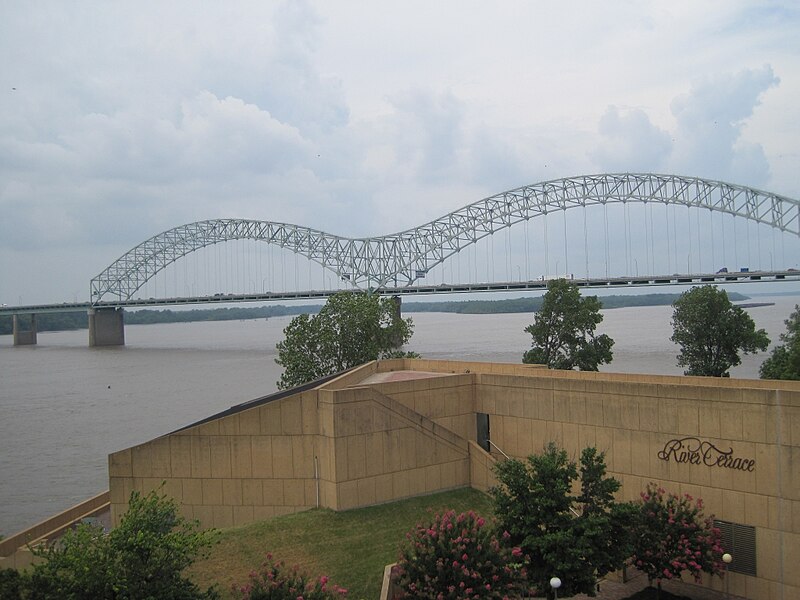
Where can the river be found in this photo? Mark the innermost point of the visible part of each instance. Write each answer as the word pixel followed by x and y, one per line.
pixel 64 406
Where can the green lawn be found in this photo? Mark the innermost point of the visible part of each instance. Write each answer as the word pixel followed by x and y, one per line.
pixel 351 547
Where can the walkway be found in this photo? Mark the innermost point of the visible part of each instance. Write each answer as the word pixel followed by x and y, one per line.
pixel 612 590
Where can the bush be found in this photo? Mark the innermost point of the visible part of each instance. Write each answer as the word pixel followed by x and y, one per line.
pixel 143 557
pixel 276 582
pixel 673 537
pixel 579 538
pixel 458 557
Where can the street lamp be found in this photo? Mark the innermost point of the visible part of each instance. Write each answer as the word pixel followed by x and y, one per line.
pixel 555 583
pixel 727 559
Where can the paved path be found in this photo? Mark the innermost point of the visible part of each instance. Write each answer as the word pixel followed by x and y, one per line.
pixel 612 590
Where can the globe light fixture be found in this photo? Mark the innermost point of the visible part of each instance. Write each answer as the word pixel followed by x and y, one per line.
pixel 555 583
pixel 727 559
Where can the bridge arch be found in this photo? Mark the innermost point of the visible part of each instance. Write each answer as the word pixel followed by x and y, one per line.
pixel 375 262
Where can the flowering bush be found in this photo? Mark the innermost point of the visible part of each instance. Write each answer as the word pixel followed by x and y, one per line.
pixel 275 582
pixel 674 537
pixel 457 557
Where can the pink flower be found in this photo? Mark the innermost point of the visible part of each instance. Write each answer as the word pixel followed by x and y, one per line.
pixel 516 552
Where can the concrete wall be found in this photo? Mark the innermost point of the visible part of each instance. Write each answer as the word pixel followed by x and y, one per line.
pixel 237 469
pixel 348 444
pixel 633 420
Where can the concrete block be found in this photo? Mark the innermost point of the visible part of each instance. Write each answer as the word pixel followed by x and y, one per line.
pixel 756 510
pixel 192 491
pixel 273 492
pixel 141 459
pixel 180 451
pixel 232 492
pixel 220 456
pixel 229 425
pixel 294 493
pixel 348 495
pixel 261 456
pixel 709 420
pixel 282 467
pixel 252 492
pixel 120 464
pixel 731 423
pixel 291 416
pixel 374 454
pixel 223 516
pixel 303 456
pixel 366 491
pixel 250 422
pixel 241 456
pixel 356 457
pixel 212 491
pixel 242 515
pixel 201 456
pixel 733 506
pixel 205 515
pixel 270 418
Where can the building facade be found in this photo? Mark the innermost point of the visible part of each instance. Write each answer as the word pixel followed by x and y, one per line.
pixel 394 429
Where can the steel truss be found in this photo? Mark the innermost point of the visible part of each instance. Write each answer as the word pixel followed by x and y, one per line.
pixel 401 258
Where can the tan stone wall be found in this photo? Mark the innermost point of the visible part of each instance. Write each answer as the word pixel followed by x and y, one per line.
pixel 631 419
pixel 449 400
pixel 352 445
pixel 247 466
pixel 380 450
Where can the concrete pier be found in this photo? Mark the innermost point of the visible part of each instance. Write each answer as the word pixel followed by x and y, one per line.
pixel 106 327
pixel 24 337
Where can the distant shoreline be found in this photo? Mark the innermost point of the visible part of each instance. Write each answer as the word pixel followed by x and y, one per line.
pixel 74 321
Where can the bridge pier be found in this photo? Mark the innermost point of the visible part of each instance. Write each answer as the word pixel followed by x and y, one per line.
pixel 25 337
pixel 106 327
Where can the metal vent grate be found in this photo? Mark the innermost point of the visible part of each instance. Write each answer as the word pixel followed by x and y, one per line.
pixel 740 542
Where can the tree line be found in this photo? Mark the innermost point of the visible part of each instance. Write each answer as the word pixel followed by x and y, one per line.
pixel 710 331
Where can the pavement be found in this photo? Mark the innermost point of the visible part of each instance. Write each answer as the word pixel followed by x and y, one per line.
pixel 614 590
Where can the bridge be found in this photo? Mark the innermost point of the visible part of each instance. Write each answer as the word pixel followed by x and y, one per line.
pixel 405 263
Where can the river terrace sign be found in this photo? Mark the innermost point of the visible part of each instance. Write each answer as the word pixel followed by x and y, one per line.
pixel 693 451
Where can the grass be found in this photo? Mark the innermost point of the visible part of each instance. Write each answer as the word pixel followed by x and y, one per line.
pixel 351 547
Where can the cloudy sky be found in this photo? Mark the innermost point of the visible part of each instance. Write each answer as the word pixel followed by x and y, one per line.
pixel 119 120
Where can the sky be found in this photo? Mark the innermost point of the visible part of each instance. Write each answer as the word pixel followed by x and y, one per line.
pixel 122 120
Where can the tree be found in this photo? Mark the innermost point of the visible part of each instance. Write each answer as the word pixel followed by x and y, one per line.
pixel 459 557
pixel 711 332
pixel 577 538
pixel 351 329
pixel 143 557
pixel 563 330
pixel 672 536
pixel 784 363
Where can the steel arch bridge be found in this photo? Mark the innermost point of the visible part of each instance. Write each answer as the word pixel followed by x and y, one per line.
pixel 400 258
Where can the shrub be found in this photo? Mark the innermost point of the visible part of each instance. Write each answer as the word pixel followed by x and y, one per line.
pixel 144 557
pixel 457 557
pixel 673 537
pixel 275 582
pixel 579 538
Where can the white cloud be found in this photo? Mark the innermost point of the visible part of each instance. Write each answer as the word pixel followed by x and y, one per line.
pixel 131 118
pixel 710 119
pixel 630 142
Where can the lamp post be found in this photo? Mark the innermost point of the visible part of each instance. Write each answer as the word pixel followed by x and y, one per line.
pixel 727 559
pixel 555 583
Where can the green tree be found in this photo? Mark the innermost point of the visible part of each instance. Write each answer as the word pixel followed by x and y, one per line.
pixel 784 362
pixel 711 332
pixel 142 558
pixel 577 538
pixel 672 536
pixel 351 329
pixel 563 330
